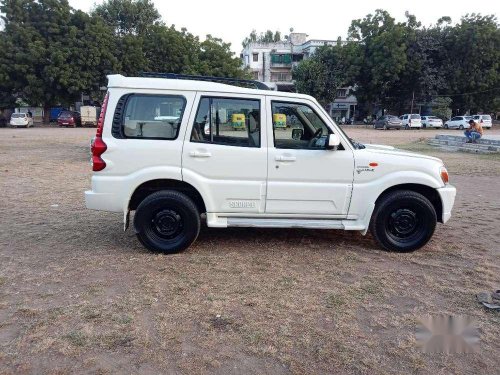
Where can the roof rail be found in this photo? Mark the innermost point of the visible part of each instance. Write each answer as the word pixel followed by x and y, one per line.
pixel 233 81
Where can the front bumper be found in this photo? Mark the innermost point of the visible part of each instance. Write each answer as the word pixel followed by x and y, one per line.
pixel 447 194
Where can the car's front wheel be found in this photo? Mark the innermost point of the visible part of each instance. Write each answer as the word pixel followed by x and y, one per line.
pixel 167 221
pixel 403 221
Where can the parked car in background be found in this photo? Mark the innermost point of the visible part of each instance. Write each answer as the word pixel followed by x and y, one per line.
pixel 484 120
pixel 69 118
pixel 388 122
pixel 411 120
pixel 431 122
pixel 88 115
pixel 458 122
pixel 21 119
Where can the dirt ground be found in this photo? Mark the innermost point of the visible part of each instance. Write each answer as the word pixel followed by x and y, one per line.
pixel 77 295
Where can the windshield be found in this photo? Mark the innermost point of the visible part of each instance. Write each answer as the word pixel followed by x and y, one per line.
pixel 18 115
pixel 390 117
pixel 486 117
pixel 65 114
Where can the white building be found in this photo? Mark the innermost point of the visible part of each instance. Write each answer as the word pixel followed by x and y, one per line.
pixel 272 63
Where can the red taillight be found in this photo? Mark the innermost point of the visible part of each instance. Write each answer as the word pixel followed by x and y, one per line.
pixel 98 146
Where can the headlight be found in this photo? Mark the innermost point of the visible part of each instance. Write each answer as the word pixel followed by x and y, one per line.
pixel 444 174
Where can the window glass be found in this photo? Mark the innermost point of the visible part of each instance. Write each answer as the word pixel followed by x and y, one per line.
pixel 297 126
pixel 153 116
pixel 415 116
pixel 232 122
pixel 255 57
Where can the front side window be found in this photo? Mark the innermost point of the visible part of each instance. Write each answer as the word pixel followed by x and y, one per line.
pixel 153 116
pixel 227 121
pixel 297 126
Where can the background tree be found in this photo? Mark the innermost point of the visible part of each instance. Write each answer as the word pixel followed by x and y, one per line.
pixel 53 53
pixel 128 16
pixel 330 68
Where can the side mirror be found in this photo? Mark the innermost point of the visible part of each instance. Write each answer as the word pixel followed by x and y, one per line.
pixel 333 141
pixel 297 134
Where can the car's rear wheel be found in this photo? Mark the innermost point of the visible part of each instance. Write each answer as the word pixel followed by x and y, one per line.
pixel 461 127
pixel 403 221
pixel 167 221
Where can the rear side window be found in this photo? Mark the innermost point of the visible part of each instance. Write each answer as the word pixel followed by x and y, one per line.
pixel 152 116
pixel 227 121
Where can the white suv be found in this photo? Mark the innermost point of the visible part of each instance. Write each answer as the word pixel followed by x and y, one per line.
pixel 173 149
pixel 411 121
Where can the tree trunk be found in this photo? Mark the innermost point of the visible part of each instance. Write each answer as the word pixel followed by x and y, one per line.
pixel 46 114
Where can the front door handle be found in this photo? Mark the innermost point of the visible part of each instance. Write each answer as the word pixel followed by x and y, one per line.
pixel 200 154
pixel 285 158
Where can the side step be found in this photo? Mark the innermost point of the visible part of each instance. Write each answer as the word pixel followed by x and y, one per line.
pixel 285 223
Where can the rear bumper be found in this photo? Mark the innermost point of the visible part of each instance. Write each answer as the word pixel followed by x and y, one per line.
pixel 447 194
pixel 102 201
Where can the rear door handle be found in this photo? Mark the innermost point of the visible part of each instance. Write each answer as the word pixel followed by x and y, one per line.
pixel 200 154
pixel 285 158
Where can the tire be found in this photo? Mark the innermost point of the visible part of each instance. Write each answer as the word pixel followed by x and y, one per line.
pixel 461 127
pixel 407 127
pixel 446 126
pixel 403 221
pixel 167 221
pixel 385 127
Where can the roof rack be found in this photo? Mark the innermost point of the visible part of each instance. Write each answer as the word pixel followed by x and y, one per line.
pixel 233 81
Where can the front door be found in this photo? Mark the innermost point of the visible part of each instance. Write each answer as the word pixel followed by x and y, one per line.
pixel 224 155
pixel 303 176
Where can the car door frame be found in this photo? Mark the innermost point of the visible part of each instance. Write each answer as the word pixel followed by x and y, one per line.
pixel 330 124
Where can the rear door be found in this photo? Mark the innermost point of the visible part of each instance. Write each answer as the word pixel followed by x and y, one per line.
pixel 225 154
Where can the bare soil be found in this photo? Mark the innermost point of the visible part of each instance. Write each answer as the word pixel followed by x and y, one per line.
pixel 77 295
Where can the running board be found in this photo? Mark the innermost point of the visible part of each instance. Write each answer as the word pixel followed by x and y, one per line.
pixel 285 223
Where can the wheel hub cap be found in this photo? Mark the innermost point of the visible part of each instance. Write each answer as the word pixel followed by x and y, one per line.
pixel 167 223
pixel 403 222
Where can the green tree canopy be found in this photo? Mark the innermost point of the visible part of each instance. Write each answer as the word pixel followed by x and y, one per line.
pixel 128 16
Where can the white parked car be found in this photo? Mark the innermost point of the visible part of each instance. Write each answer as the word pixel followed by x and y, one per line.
pixel 152 155
pixel 21 119
pixel 484 120
pixel 458 122
pixel 431 122
pixel 411 121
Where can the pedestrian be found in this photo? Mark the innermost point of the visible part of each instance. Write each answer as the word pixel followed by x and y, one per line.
pixel 474 132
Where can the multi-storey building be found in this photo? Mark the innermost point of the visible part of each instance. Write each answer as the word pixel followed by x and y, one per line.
pixel 272 63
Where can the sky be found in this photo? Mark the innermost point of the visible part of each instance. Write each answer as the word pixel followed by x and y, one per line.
pixel 233 20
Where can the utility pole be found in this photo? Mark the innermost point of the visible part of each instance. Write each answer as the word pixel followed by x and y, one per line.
pixel 412 99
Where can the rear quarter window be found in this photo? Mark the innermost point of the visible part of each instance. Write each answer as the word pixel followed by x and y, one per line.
pixel 144 116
